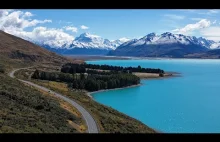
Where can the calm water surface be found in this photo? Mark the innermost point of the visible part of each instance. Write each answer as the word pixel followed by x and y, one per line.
pixel 190 103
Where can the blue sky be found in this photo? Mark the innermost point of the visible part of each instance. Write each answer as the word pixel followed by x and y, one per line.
pixel 112 24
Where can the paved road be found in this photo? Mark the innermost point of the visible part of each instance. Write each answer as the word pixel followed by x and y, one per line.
pixel 91 124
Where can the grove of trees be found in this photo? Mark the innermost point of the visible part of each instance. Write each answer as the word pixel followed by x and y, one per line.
pixel 95 77
pixel 88 81
pixel 81 68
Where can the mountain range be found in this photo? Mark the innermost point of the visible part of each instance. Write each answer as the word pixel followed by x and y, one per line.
pixel 152 45
pixel 165 45
pixel 86 44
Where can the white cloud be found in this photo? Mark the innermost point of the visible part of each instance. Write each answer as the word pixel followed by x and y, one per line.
pixel 51 36
pixel 202 12
pixel 18 20
pixel 27 14
pixel 214 22
pixel 124 39
pixel 196 19
pixel 14 22
pixel 70 28
pixel 64 22
pixel 213 11
pixel 84 27
pixel 212 33
pixel 174 17
pixel 204 23
pixel 209 12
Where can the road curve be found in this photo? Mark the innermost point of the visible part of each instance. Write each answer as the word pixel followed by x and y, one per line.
pixel 91 124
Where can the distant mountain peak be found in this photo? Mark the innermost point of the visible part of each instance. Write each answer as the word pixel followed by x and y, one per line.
pixel 167 33
pixel 86 34
pixel 151 34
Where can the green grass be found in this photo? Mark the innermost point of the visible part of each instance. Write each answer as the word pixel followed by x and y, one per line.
pixel 26 110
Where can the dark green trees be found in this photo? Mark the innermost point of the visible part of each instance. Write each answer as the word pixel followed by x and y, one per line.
pixel 90 82
pixel 36 75
pixel 95 77
pixel 161 75
pixel 81 68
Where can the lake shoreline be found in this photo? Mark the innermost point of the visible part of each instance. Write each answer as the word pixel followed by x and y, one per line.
pixel 90 95
pixel 103 57
pixel 171 74
pixel 105 90
pixel 174 74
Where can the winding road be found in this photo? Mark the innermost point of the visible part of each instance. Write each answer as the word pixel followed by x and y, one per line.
pixel 91 124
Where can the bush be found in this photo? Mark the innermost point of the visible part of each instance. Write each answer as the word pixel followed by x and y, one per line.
pixel 2 70
pixel 161 75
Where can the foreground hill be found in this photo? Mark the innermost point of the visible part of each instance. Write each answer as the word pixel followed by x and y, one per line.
pixel 24 109
pixel 16 51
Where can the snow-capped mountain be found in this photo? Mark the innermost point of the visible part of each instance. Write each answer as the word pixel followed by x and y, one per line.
pixel 169 38
pixel 165 45
pixel 207 43
pixel 86 43
pixel 87 40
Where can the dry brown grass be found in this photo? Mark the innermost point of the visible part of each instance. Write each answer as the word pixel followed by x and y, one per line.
pixel 150 75
pixel 70 108
pixel 79 128
pixel 146 75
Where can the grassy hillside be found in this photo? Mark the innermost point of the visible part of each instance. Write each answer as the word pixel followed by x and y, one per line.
pixel 17 52
pixel 24 109
pixel 108 119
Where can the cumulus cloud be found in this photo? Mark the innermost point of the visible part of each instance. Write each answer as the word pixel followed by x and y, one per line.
pixel 214 22
pixel 213 11
pixel 204 23
pixel 50 36
pixel 209 12
pixel 64 22
pixel 18 20
pixel 212 33
pixel 174 17
pixel 70 28
pixel 124 39
pixel 27 14
pixel 84 27
pixel 14 22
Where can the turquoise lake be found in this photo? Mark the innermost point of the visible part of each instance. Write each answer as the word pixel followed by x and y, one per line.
pixel 186 104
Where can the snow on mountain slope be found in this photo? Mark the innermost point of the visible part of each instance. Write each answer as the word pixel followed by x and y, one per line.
pixel 169 38
pixel 208 43
pixel 87 40
pixel 215 45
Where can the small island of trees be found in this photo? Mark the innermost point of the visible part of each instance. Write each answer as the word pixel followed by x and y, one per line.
pixel 95 77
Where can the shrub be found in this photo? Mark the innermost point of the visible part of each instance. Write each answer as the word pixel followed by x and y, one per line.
pixel 2 70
